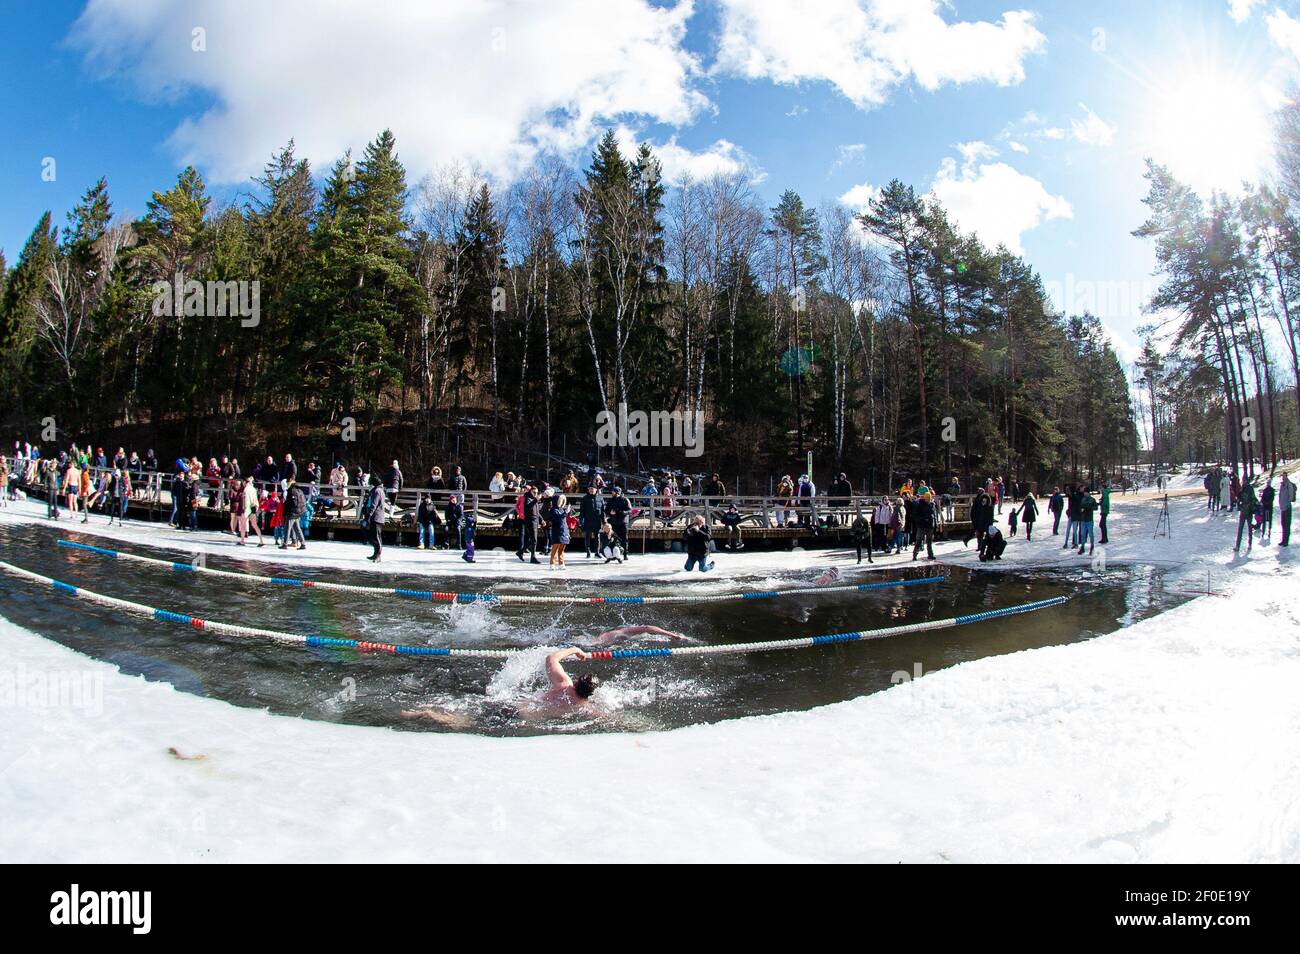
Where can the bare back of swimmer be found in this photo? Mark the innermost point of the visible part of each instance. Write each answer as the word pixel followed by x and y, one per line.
pixel 613 635
pixel 563 693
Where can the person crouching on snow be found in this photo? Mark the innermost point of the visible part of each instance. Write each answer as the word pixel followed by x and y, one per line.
pixel 992 544
pixel 697 545
pixel 608 544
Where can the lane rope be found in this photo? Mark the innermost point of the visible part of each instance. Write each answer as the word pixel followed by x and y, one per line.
pixel 316 639
pixel 504 599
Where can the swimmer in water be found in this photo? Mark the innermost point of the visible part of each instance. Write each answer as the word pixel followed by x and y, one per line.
pixel 563 694
pixel 563 689
pixel 832 575
pixel 613 635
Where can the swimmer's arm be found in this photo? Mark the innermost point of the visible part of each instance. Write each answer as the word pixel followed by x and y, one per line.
pixel 608 637
pixel 555 670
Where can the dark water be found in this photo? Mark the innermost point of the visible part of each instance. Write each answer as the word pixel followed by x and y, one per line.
pixel 345 686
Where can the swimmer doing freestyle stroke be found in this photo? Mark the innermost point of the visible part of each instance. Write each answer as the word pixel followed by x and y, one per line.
pixel 563 694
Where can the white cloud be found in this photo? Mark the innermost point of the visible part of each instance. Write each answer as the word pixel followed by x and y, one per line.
pixel 992 199
pixel 1018 147
pixel 679 163
pixel 490 83
pixel 1285 31
pixel 1240 10
pixel 1092 129
pixel 972 152
pixel 850 153
pixel 867 47
pixel 860 196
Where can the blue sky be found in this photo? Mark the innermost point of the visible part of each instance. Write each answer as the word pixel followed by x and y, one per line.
pixel 1029 120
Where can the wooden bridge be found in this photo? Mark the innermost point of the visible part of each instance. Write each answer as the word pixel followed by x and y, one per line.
pixel 653 523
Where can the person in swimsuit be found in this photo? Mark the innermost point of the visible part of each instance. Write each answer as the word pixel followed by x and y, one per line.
pixel 563 694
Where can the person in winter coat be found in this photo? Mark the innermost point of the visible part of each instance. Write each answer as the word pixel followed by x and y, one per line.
pixel 1246 501
pixel 559 524
pixel 882 523
pixel 1056 504
pixel 922 523
pixel 1072 495
pixel 805 493
pixel 267 474
pixel 453 514
pixel 1265 511
pixel 393 480
pixel 1285 502
pixel 295 507
pixel 731 518
pixel 248 505
pixel 339 487
pixel 1105 512
pixel 908 507
pixel 436 481
pixel 372 518
pixel 1029 514
pixel 616 511
pixel 1084 511
pixel 861 530
pixel 458 481
pixel 120 489
pixel 1225 491
pixel 470 522
pixel 993 543
pixel 785 502
pixel 608 543
pixel 697 540
pixel 841 492
pixel 426 519
pixel 591 517
pixel 279 532
pixel 1234 487
pixel 526 510
pixel 981 518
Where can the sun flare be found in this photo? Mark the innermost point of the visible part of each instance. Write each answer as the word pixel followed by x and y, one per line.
pixel 1212 128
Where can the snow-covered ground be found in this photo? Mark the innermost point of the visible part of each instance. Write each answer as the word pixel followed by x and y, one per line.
pixel 1171 740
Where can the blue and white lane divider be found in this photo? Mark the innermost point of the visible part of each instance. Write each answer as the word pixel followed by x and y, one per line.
pixel 316 639
pixel 432 596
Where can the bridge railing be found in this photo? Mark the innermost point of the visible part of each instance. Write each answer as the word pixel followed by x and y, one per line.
pixel 491 508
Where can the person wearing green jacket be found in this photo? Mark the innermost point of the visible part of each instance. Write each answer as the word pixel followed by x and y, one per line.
pixel 1105 510
pixel 1246 502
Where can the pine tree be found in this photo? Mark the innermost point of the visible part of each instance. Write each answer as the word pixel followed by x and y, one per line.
pixel 897 217
pixel 361 292
pixel 796 233
pixel 24 285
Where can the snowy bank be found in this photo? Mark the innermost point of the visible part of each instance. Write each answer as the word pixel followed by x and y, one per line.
pixel 1171 740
